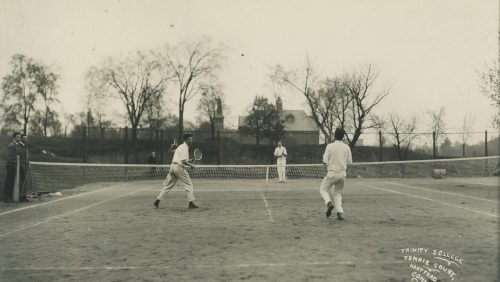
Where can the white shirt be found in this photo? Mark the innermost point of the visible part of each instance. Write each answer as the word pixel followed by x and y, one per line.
pixel 278 153
pixel 181 153
pixel 337 156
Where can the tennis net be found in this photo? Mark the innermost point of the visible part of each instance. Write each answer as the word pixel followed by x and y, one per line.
pixel 43 176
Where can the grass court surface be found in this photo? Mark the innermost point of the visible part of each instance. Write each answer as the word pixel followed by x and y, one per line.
pixel 249 232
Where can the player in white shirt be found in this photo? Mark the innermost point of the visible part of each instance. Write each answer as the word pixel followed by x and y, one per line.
pixel 178 171
pixel 280 154
pixel 337 156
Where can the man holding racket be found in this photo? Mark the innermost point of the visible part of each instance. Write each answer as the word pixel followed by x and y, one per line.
pixel 178 171
pixel 280 154
pixel 337 156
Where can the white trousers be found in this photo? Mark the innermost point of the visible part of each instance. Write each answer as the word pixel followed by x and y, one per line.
pixel 177 172
pixel 333 183
pixel 281 167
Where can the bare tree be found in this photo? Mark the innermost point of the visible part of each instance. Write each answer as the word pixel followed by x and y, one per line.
pixel 360 85
pixel 69 119
pixel 490 87
pixel 193 64
pixel 46 83
pixel 438 125
pixel 466 131
pixel 346 101
pixel 404 133
pixel 21 88
pixel 320 108
pixel 155 117
pixel 98 98
pixel 134 80
pixel 208 105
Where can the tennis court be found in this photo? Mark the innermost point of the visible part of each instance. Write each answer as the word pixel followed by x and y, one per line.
pixel 396 229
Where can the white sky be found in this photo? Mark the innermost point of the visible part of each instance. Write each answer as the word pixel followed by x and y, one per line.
pixel 428 51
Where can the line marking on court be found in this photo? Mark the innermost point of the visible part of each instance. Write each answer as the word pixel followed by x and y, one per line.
pixel 442 192
pixel 432 200
pixel 478 183
pixel 57 200
pixel 269 213
pixel 166 267
pixel 51 218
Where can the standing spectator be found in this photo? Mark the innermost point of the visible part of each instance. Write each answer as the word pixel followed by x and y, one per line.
pixel 13 150
pixel 337 156
pixel 280 154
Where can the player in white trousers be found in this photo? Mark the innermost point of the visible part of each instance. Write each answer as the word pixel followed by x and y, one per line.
pixel 280 154
pixel 337 156
pixel 178 172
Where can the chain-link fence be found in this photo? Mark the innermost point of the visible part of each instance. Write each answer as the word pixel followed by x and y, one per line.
pixel 118 145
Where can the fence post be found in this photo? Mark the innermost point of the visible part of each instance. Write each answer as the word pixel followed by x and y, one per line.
pixel 84 141
pixel 434 152
pixel 380 144
pixel 486 143
pixel 218 147
pixel 126 144
pixel 161 146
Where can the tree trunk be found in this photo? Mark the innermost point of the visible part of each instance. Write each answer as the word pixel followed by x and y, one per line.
pixel 46 121
pixel 355 138
pixel 180 132
pixel 25 126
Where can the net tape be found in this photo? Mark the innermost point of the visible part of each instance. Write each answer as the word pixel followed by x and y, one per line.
pixel 44 176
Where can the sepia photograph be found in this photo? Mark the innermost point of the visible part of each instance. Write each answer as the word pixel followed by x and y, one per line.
pixel 249 140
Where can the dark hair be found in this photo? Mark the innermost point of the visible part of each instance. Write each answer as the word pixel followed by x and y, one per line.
pixel 339 134
pixel 16 133
pixel 186 136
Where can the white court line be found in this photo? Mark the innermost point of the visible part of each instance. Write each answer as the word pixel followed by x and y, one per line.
pixel 269 213
pixel 442 192
pixel 432 200
pixel 54 201
pixel 478 183
pixel 166 267
pixel 48 219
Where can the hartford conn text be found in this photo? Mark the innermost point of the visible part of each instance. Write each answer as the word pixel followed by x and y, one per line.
pixel 423 268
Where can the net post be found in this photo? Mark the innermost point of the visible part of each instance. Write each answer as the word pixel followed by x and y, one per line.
pixel 161 146
pixel 267 175
pixel 16 180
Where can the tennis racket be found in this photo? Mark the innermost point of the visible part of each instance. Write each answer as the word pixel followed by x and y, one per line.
pixel 197 155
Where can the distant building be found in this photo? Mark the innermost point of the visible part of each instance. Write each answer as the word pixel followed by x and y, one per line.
pixel 299 127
